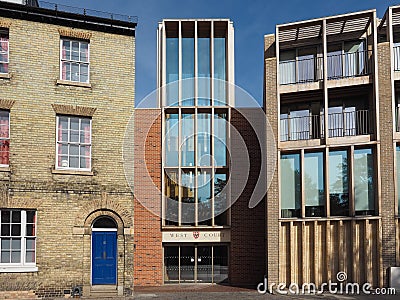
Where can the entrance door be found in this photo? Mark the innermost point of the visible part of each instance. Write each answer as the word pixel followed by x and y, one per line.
pixel 104 257
pixel 187 264
pixel 204 264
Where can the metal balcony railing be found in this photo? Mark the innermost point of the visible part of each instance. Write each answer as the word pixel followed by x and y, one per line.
pixel 343 65
pixel 301 70
pixel 349 123
pixel 301 128
pixel 339 125
pixel 396 58
pixel 348 64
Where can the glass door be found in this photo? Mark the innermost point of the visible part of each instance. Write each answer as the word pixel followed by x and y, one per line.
pixel 187 264
pixel 204 264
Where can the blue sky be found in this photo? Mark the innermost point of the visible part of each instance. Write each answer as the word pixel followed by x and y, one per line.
pixel 252 19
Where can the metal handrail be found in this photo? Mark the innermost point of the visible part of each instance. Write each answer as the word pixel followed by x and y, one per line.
pixel 349 123
pixel 301 70
pixel 349 64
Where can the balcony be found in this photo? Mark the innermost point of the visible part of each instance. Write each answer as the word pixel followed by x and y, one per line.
pixel 349 64
pixel 301 128
pixel 349 123
pixel 301 70
pixel 396 57
pixel 340 124
pixel 339 66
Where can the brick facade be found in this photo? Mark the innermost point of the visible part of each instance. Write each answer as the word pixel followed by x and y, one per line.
pixel 67 203
pixel 148 238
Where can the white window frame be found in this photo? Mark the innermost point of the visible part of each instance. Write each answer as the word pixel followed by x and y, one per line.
pixel 22 266
pixel 59 143
pixel 6 139
pixel 79 62
pixel 5 32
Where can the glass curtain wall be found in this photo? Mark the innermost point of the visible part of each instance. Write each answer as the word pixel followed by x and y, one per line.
pixel 195 158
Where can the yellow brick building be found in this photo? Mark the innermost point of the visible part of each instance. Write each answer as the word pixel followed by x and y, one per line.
pixel 67 84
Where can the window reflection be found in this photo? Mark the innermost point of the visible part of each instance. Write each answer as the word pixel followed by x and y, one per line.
pixel 338 183
pixel 291 181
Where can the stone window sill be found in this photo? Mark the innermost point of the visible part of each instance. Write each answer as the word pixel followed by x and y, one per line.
pixel 5 75
pixel 5 169
pixel 73 83
pixel 72 172
pixel 18 269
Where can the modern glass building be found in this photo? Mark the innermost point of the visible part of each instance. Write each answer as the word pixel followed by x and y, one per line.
pixel 195 71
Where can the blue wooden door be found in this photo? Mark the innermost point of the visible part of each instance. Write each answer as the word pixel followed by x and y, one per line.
pixel 104 257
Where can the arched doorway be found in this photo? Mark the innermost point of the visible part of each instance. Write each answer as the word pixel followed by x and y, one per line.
pixel 104 251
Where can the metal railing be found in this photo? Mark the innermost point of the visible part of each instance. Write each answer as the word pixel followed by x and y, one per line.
pixel 301 70
pixel 339 125
pixel 349 64
pixel 81 11
pixel 339 66
pixel 301 128
pixel 396 58
pixel 349 123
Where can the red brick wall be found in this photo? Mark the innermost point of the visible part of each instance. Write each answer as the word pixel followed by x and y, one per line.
pixel 147 178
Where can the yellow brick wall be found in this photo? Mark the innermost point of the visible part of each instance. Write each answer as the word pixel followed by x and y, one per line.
pixel 64 202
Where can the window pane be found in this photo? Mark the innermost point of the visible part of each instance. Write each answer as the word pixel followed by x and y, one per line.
pixel 314 184
pixel 16 229
pixel 188 200
pixel 64 149
pixel 84 73
pixel 220 268
pixel 171 263
pixel 338 183
pixel 74 72
pixel 84 52
pixel 31 216
pixel 5 256
pixel 5 216
pixel 171 140
pixel 219 71
pixel 364 182
pixel 220 124
pixel 85 162
pixel 204 71
pixel 15 244
pixel 65 54
pixel 63 162
pixel 30 257
pixel 204 197
pixel 5 229
pixel 171 197
pixel 291 189
pixel 187 148
pixel 204 139
pixel 172 70
pixel 188 71
pixel 16 216
pixel 30 230
pixel 16 257
pixel 74 136
pixel 73 149
pixel 74 162
pixel 220 200
pixel 5 244
pixel 66 71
